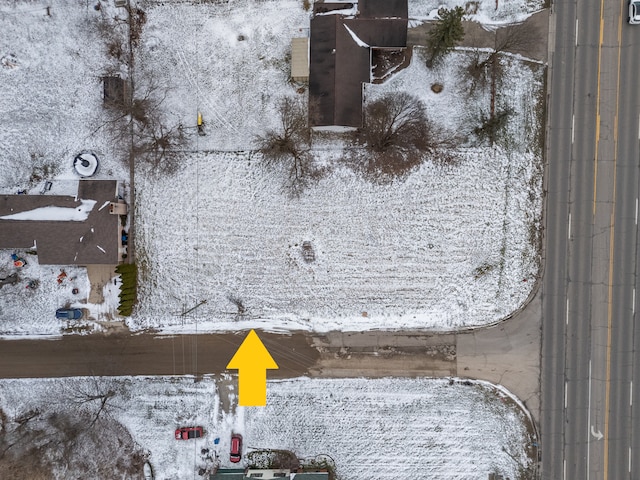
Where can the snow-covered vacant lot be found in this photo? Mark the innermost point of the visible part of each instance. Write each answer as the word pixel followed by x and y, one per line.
pixel 447 247
pixel 373 429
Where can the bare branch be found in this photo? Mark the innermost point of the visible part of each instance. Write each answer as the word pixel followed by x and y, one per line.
pixel 289 145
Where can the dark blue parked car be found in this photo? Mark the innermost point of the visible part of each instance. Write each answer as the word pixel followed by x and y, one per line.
pixel 69 313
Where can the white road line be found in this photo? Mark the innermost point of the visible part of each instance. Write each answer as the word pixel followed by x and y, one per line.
pixel 636 210
pixel 567 320
pixel 631 393
pixel 573 124
pixel 638 127
pixel 629 459
pixel 576 32
pixel 633 302
pixel 589 423
pixel 564 468
pixel 569 232
pixel 565 394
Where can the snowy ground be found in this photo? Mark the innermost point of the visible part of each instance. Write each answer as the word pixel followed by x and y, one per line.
pixel 404 254
pixel 51 100
pixel 425 428
pixel 486 12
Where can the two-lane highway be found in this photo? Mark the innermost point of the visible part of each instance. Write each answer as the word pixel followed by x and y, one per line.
pixel 589 290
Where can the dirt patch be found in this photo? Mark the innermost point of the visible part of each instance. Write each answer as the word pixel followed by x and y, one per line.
pixel 380 354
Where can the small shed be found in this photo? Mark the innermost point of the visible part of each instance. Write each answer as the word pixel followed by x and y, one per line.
pixel 300 59
pixel 115 90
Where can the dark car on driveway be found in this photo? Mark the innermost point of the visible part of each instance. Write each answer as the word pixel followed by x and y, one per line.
pixel 236 448
pixel 187 433
pixel 69 313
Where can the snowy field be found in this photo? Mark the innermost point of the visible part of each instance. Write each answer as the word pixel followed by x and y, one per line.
pixel 487 12
pixel 400 255
pixel 396 256
pixel 51 101
pixel 424 428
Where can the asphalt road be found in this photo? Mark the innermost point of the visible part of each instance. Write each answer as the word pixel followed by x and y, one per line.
pixel 108 355
pixel 589 301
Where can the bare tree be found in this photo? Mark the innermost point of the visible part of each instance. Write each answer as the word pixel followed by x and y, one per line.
pixel 399 135
pixel 54 444
pixel 155 142
pixel 289 145
pixel 512 38
pixel 396 122
pixel 96 395
pixel 291 139
pixel 138 120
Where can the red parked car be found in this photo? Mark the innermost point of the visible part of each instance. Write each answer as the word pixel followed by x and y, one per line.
pixel 186 433
pixel 236 448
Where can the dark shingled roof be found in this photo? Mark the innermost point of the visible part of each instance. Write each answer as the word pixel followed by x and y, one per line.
pixel 377 32
pixel 65 242
pixel 339 65
pixel 322 68
pixel 383 9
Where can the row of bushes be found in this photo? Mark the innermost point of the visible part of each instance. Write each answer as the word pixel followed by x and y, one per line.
pixel 129 288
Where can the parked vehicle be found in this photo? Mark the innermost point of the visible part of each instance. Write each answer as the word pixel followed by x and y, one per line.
pixel 236 448
pixel 634 12
pixel 187 433
pixel 69 313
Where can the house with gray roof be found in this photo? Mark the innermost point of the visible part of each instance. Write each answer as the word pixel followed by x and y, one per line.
pixel 343 37
pixel 83 229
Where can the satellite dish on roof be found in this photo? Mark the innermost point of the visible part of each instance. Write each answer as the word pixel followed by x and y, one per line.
pixel 85 164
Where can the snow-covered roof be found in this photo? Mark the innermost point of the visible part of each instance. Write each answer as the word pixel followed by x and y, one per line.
pixel 65 230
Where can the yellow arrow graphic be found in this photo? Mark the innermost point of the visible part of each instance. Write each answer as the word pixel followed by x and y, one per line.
pixel 252 360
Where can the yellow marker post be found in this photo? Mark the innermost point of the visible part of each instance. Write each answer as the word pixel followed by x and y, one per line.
pixel 252 360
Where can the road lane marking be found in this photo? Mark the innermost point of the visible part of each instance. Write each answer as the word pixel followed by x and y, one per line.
pixel 638 127
pixel 629 459
pixel 567 319
pixel 564 469
pixel 595 157
pixel 573 125
pixel 609 322
pixel 633 302
pixel 569 232
pixel 589 419
pixel 576 32
pixel 631 393
pixel 607 397
pixel 636 210
pixel 565 394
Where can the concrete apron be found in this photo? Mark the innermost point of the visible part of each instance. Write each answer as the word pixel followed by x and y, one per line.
pixel 507 354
